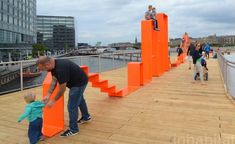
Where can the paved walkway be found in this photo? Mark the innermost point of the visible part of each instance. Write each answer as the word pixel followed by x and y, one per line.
pixel 169 110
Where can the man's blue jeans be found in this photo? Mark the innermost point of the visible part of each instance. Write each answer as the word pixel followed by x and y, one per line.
pixel 76 99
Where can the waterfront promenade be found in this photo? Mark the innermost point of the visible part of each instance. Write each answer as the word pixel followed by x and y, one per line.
pixel 169 110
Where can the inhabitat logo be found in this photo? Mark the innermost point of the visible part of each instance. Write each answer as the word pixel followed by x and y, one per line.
pixel 203 139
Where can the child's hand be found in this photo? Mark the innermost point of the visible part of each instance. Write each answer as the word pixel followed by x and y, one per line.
pixel 50 103
pixel 46 99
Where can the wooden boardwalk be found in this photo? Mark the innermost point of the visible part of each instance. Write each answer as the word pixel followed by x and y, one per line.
pixel 169 110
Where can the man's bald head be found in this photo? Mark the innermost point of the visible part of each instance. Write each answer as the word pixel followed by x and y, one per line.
pixel 45 63
pixel 43 60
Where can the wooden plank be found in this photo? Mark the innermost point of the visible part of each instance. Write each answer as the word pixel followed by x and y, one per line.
pixel 170 109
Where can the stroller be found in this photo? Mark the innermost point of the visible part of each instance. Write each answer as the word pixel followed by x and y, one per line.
pixel 205 71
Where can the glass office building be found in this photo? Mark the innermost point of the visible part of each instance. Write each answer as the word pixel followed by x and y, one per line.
pixel 56 32
pixel 17 24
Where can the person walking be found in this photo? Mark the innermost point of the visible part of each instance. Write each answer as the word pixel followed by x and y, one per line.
pixel 197 64
pixel 179 50
pixel 207 50
pixel 190 52
pixel 33 113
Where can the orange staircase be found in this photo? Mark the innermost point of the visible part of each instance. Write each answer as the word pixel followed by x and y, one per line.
pixel 155 62
pixel 180 60
pixel 103 85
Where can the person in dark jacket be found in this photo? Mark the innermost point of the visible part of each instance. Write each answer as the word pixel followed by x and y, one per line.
pixel 197 64
pixel 190 52
pixel 179 50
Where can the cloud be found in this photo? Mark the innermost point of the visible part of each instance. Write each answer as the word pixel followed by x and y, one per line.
pixel 119 20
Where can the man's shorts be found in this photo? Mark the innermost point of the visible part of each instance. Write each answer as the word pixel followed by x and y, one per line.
pixel 190 58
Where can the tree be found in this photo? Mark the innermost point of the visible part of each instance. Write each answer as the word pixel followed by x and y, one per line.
pixel 66 47
pixel 38 48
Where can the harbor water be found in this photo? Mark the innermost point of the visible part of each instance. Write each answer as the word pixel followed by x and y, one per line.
pixel 95 64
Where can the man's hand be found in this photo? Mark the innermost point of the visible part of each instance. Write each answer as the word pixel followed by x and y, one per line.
pixel 50 103
pixel 46 99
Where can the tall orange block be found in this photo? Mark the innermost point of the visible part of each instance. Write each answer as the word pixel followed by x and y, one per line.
pixel 53 118
pixel 163 38
pixel 147 45
pixel 156 52
pixel 155 47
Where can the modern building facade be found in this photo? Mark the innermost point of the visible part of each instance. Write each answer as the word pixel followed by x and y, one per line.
pixel 17 25
pixel 227 40
pixel 56 32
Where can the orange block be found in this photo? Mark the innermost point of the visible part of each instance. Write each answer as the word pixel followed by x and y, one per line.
pixel 179 59
pixel 156 52
pixel 146 47
pixel 53 118
pixel 175 64
pixel 163 38
pixel 182 58
pixel 135 78
pixel 169 62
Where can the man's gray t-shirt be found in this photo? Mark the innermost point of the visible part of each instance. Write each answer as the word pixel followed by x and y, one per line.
pixel 148 15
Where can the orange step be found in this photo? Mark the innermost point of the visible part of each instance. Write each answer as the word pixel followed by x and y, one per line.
pixel 109 89
pixel 175 64
pixel 100 84
pixel 120 93
pixel 93 77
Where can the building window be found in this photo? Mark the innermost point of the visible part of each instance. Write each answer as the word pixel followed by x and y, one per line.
pixel 7 18
pixel 1 16
pixel 11 1
pixel 10 19
pixel 8 7
pixel 1 36
pixel 20 6
pixel 8 36
pixel 4 18
pixel 1 5
pixel 4 6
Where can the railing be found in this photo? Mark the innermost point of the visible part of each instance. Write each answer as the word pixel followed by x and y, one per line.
pixel 12 72
pixel 228 70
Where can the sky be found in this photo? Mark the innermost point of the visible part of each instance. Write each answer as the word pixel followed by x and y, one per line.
pixel 111 21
